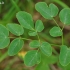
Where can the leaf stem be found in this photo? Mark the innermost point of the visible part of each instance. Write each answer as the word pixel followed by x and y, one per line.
pixel 62 35
pixel 38 37
pixel 12 37
pixel 62 39
pixel 63 27
pixel 20 38
pixel 55 22
pixel 25 39
pixel 54 51
pixel 61 3
pixel 55 45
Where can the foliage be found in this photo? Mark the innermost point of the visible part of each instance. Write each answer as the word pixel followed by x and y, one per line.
pixel 42 48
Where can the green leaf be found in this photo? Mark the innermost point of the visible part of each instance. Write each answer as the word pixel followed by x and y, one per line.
pixel 55 32
pixel 38 57
pixel 34 44
pixel 15 46
pixel 39 26
pixel 42 66
pixel 32 58
pixel 4 40
pixel 53 10
pixel 64 56
pixel 15 29
pixel 32 33
pixel 65 16
pixel 64 67
pixel 46 48
pixel 25 19
pixel 45 11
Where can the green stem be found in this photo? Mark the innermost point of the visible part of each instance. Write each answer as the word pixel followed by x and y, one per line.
pixel 25 39
pixel 62 35
pixel 54 51
pixel 60 3
pixel 62 39
pixel 38 37
pixel 55 22
pixel 20 38
pixel 3 56
pixel 12 37
pixel 63 27
pixel 55 45
pixel 15 5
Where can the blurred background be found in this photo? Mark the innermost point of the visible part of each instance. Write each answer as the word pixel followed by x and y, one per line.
pixel 8 10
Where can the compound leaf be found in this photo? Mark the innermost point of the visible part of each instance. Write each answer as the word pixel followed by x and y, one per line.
pixel 65 16
pixel 15 46
pixel 32 58
pixel 64 56
pixel 39 26
pixel 46 48
pixel 4 40
pixel 45 11
pixel 55 31
pixel 25 19
pixel 15 29
pixel 34 44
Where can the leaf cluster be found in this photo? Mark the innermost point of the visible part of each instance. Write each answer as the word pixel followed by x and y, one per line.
pixel 25 19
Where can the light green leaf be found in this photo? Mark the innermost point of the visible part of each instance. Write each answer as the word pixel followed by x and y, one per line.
pixel 25 19
pixel 46 48
pixel 32 33
pixel 64 56
pixel 65 16
pixel 15 46
pixel 39 26
pixel 34 44
pixel 55 31
pixel 4 40
pixel 32 58
pixel 15 29
pixel 45 11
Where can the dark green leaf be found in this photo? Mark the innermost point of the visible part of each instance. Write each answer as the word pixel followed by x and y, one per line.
pixel 32 33
pixel 34 44
pixel 55 31
pixel 65 16
pixel 39 26
pixel 4 40
pixel 15 29
pixel 32 58
pixel 53 10
pixel 46 48
pixel 45 11
pixel 42 66
pixel 15 46
pixel 64 57
pixel 25 19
